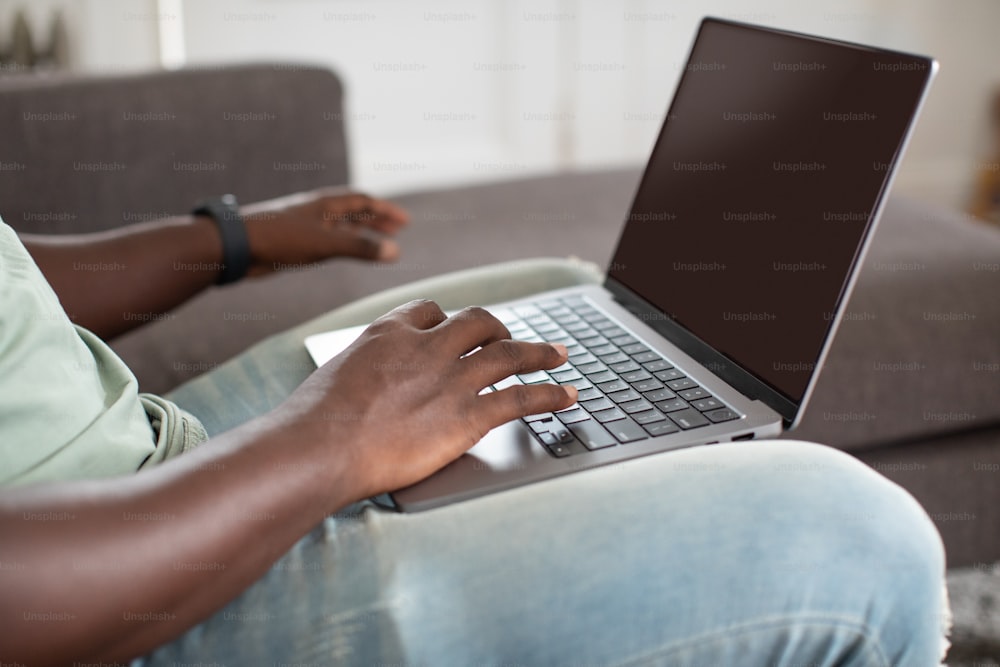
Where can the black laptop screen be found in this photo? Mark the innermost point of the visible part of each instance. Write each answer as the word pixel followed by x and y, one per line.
pixel 759 191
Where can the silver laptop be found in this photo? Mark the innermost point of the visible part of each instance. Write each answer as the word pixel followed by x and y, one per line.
pixel 732 269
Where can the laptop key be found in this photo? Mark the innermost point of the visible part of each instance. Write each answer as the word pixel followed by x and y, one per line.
pixel 554 447
pixel 621 340
pixel 602 378
pixel 706 404
pixel 507 382
pixel 581 385
pixel 624 396
pixel 625 367
pixel 542 416
pixel 533 378
pixel 694 393
pixel 592 435
pixel 671 405
pixel 681 383
pixel 563 434
pixel 648 417
pixel 591 368
pixel 722 415
pixel 661 428
pixel 593 341
pixel 634 348
pixel 573 326
pixel 689 418
pixel 541 427
pixel 647 385
pixel 646 357
pixel 608 415
pixel 572 416
pixel 583 358
pixel 639 405
pixel 566 376
pixel 615 357
pixel 627 430
pixel 669 374
pixel 635 376
pixel 588 394
pixel 602 403
pixel 613 386
pixel 657 365
pixel 661 394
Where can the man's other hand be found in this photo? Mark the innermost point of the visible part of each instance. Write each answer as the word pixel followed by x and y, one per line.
pixel 297 230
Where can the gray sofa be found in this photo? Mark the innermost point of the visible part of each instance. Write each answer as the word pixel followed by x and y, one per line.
pixel 911 387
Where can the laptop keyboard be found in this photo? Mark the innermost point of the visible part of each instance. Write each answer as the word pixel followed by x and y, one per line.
pixel 627 392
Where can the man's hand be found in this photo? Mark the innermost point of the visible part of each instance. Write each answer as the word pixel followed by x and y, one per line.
pixel 112 281
pixel 309 227
pixel 407 393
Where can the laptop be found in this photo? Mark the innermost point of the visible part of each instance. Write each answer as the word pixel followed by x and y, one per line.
pixel 732 269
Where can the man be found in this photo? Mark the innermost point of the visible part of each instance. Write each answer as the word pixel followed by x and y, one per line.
pixel 120 529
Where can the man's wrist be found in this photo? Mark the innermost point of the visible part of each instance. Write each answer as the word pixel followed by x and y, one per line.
pixel 236 258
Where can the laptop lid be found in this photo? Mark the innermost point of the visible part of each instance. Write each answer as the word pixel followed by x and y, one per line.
pixel 763 188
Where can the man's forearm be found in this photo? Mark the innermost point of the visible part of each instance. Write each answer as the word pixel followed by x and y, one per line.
pixel 113 281
pixel 126 564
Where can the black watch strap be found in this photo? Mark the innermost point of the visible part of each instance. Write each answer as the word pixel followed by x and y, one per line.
pixel 225 211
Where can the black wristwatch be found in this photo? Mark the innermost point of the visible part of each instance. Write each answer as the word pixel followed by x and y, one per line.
pixel 225 211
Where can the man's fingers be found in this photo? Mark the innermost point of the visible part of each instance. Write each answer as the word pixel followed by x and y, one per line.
pixel 509 357
pixel 500 407
pixel 363 246
pixel 362 210
pixel 421 314
pixel 470 328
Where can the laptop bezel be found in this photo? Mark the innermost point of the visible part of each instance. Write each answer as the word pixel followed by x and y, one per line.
pixel 727 369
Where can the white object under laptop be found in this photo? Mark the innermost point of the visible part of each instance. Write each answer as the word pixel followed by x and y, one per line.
pixel 732 270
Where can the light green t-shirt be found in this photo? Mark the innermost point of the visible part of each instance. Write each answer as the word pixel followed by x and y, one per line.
pixel 69 407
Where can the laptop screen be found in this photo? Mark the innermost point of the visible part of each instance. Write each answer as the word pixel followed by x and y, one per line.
pixel 760 189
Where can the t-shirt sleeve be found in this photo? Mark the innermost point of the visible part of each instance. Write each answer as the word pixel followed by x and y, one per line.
pixel 69 406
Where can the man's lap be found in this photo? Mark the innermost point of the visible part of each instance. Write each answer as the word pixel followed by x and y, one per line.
pixel 752 553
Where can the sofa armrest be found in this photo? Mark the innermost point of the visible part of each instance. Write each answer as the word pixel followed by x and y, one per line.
pixel 86 153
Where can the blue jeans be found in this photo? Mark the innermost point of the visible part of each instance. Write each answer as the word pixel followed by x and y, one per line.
pixel 778 553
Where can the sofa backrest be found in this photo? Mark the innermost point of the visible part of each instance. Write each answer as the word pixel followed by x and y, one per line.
pixel 84 153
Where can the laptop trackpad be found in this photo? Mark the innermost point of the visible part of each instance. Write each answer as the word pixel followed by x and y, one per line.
pixel 505 458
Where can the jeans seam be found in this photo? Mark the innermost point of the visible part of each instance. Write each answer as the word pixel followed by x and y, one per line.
pixel 871 644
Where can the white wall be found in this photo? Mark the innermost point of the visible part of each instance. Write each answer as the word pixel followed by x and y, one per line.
pixel 443 91
pixel 105 35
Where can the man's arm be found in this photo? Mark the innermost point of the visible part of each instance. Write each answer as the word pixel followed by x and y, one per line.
pixel 121 566
pixel 110 282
